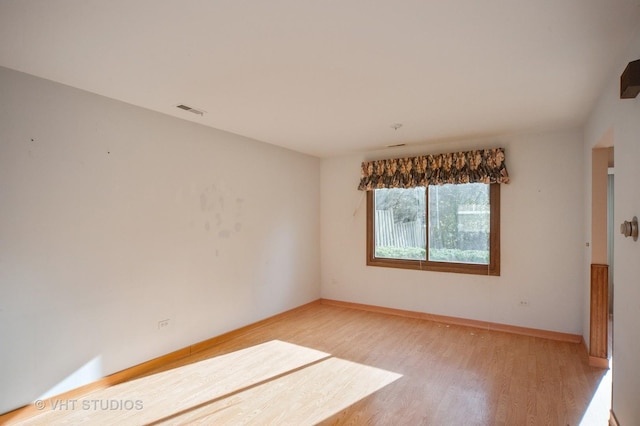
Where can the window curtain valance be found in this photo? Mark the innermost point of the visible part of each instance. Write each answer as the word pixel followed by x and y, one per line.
pixel 482 166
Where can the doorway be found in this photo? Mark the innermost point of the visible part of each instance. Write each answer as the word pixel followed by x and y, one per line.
pixel 601 292
pixel 611 228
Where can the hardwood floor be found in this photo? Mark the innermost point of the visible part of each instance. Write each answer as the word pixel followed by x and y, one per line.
pixel 333 365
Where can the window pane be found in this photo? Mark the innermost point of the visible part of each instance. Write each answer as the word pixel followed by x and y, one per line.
pixel 459 218
pixel 400 230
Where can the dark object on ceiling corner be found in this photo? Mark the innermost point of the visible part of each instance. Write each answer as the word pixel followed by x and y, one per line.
pixel 630 80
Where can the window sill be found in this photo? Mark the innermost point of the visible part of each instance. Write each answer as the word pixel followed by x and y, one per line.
pixel 460 268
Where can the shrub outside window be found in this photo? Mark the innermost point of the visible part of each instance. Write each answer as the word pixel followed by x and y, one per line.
pixel 448 228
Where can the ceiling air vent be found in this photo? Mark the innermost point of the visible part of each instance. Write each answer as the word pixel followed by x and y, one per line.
pixel 193 110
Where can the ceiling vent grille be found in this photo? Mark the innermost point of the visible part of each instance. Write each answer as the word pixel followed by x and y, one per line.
pixel 190 109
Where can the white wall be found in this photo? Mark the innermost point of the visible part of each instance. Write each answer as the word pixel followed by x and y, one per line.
pixel 113 217
pixel 623 116
pixel 542 240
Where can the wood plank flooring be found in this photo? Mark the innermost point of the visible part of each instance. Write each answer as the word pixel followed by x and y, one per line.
pixel 332 365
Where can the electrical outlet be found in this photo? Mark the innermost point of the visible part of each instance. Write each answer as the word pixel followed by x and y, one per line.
pixel 163 324
pixel 524 304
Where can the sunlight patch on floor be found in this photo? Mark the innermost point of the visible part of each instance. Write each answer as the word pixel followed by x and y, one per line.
pixel 274 382
pixel 304 397
pixel 597 412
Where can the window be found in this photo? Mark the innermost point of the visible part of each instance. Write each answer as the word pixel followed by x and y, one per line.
pixel 448 228
pixel 436 212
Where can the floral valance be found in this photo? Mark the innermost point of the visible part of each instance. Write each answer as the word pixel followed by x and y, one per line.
pixel 483 166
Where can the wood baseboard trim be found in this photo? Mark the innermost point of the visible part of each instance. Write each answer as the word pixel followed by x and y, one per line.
pixel 29 411
pixel 613 420
pixel 598 362
pixel 533 332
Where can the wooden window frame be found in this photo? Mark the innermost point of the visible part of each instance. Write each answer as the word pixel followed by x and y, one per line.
pixel 493 268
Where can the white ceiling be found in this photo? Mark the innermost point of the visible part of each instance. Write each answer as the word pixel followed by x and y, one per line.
pixel 328 77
